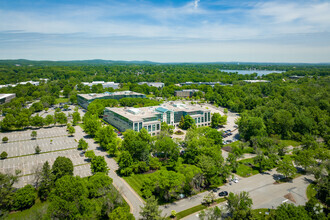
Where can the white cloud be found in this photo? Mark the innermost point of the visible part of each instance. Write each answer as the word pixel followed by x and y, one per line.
pixel 196 3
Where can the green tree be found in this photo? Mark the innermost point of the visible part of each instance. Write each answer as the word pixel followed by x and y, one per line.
pixel 49 120
pixel 188 122
pixel 37 121
pixel 106 137
pixel 251 126
pixel 208 199
pixel 290 211
pixel 167 128
pixel 137 144
pixel 69 199
pixel 286 167
pixel 304 158
pixel 99 184
pixel 46 181
pixel 61 118
pixel 7 190
pixel 75 117
pixel 218 120
pixel 98 164
pixel 82 144
pixel 5 139
pixel 8 122
pixel 61 167
pixel 37 149
pixel 71 130
pixel 125 162
pixel 239 205
pixel 37 106
pixel 210 214
pixel 166 148
pixel 181 123
pixel 121 213
pixel 91 124
pixel 34 134
pixel 3 155
pixel 151 211
pixel 24 197
pixel 90 154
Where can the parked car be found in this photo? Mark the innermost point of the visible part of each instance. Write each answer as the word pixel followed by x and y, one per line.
pixel 235 180
pixel 223 193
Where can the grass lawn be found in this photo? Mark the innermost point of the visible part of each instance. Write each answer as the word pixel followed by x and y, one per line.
pixel 32 213
pixel 261 213
pixel 61 100
pixel 194 209
pixel 244 170
pixel 310 191
pixel 135 181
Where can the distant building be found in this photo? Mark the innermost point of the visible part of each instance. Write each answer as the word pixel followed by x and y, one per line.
pixel 296 77
pixel 85 99
pixel 5 98
pixel 185 93
pixel 202 83
pixel 151 118
pixel 35 83
pixel 104 84
pixel 256 81
pixel 154 84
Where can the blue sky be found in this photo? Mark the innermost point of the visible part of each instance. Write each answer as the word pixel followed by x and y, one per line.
pixel 166 31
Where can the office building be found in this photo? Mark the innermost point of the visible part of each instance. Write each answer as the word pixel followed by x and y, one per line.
pixel 5 98
pixel 104 84
pixel 85 99
pixel 185 93
pixel 154 84
pixel 151 118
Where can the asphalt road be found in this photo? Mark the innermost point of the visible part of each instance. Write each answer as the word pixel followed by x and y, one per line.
pixel 262 190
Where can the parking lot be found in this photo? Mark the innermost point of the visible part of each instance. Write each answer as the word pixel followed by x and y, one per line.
pixel 20 144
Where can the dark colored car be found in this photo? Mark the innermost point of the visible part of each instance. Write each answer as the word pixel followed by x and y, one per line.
pixel 223 193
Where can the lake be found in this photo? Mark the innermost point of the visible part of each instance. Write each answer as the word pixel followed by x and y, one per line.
pixel 259 72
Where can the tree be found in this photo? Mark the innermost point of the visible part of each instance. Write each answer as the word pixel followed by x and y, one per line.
pixel 151 211
pixel 61 167
pixel 90 154
pixel 125 162
pixel 37 121
pixel 188 122
pixel 82 144
pixel 166 148
pixel 75 117
pixel 69 199
pixel 181 123
pixel 49 120
pixel 106 137
pixel 7 190
pixel 286 167
pixel 304 158
pixel 218 120
pixel 8 122
pixel 239 205
pixel 37 149
pixel 5 139
pixel 61 118
pixel 71 130
pixel 99 184
pixel 251 126
pixel 290 211
pixel 232 159
pixel 46 181
pixel 34 134
pixel 3 155
pixel 98 164
pixel 24 197
pixel 121 213
pixel 210 214
pixel 137 144
pixel 91 124
pixel 209 198
pixel 167 128
pixel 37 106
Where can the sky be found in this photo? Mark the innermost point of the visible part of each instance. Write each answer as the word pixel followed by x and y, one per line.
pixel 166 31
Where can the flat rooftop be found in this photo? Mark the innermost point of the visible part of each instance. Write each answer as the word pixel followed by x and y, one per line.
pixel 6 95
pixel 136 114
pixel 101 95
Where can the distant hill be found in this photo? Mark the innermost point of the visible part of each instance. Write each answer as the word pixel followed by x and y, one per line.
pixel 24 62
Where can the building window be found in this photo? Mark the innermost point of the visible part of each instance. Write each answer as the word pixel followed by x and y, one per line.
pixel 209 116
pixel 153 127
pixel 158 128
pixel 199 120
pixel 149 128
pixel 136 128
pixel 202 119
pixel 140 126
